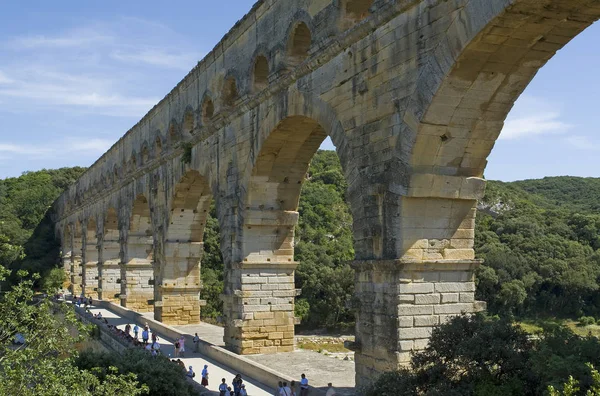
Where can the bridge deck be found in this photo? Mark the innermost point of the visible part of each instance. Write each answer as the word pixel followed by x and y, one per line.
pixel 318 368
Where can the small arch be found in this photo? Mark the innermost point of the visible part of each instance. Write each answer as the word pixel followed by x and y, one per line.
pixel 260 74
pixel 115 174
pixel 140 224
pixel 133 163
pixel 157 147
pixel 357 10
pixel 208 110
pixel 188 122
pixel 230 92
pixel 299 44
pixel 173 134
pixel 145 154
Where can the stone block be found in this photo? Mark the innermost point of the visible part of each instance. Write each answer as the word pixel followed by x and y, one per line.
pixel 411 310
pixel 414 333
pixel 275 336
pixel 405 345
pixel 453 287
pixel 426 321
pixel 453 308
pixel 416 288
pixel 467 297
pixel 426 299
pixel 450 298
pixel 405 321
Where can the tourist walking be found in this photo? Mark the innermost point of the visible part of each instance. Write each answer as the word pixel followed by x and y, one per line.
pixel 191 373
pixel 136 330
pixel 182 346
pixel 177 348
pixel 293 387
pixel 237 383
pixel 279 388
pixel 330 390
pixel 196 341
pixel 303 385
pixel 243 391
pixel 145 336
pixel 204 381
pixel 223 388
pixel 285 390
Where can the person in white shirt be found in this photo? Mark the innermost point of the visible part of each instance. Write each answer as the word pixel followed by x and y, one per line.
pixel 303 385
pixel 243 391
pixel 285 390
pixel 330 390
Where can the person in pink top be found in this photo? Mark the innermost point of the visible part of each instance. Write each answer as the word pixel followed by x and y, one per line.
pixel 182 346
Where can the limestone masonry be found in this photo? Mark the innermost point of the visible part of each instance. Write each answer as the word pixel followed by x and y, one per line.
pixel 412 93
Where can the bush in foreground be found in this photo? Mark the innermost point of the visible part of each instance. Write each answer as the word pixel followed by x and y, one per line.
pixel 162 377
pixel 476 355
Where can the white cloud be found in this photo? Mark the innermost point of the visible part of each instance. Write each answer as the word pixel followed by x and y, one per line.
pixel 76 38
pixel 533 116
pixel 582 143
pixel 93 69
pixel 158 57
pixel 4 79
pixel 21 149
pixel 88 145
pixel 67 145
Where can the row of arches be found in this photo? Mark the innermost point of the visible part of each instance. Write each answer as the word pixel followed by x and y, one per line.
pixel 297 47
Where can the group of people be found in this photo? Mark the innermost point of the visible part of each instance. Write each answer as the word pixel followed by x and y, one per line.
pixel 83 300
pixel 239 388
pixel 284 390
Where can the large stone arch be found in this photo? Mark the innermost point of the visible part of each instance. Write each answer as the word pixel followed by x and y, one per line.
pixel 259 282
pixel 493 51
pixel 89 263
pixel 109 273
pixel 137 272
pixel 177 281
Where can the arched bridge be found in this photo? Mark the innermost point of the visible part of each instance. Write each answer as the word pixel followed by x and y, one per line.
pixel 412 93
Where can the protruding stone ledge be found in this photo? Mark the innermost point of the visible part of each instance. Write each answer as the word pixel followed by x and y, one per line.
pixel 291 265
pixel 415 265
pixel 429 185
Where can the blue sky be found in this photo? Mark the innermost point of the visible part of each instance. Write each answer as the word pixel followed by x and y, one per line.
pixel 76 75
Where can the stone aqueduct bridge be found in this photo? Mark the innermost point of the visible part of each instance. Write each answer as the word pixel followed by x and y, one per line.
pixel 413 95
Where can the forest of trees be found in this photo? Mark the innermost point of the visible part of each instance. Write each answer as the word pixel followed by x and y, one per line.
pixel 540 240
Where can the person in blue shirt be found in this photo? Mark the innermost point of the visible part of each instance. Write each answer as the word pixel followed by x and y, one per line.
pixel 223 388
pixel 303 385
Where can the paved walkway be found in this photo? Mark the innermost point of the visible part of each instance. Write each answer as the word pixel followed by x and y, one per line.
pixel 319 369
pixel 196 360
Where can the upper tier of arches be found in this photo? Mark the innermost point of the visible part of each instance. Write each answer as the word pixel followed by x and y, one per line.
pixel 254 53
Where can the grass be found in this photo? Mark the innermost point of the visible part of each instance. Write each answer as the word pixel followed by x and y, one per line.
pixel 330 347
pixel 533 326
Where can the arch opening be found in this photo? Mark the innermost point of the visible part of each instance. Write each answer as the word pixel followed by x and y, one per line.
pixel 145 155
pixel 157 147
pixel 109 272
pixel 90 273
pixel 261 73
pixel 173 135
pixel 357 10
pixel 208 110
pixel 180 277
pixel 230 92
pixel 299 44
pixel 268 240
pixel 188 123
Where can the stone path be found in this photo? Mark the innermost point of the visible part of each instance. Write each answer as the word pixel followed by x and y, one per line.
pixel 196 360
pixel 319 369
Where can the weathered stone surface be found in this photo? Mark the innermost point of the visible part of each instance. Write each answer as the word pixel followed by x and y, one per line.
pixel 413 97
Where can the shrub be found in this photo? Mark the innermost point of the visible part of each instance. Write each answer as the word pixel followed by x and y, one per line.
pixel 587 320
pixel 162 377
